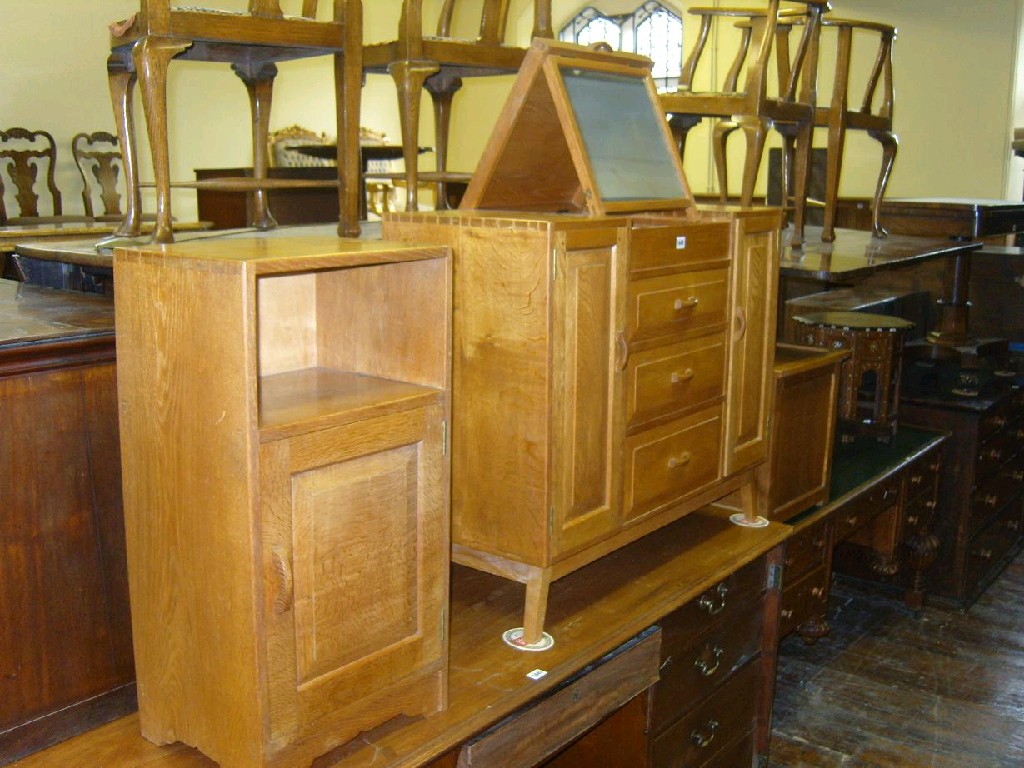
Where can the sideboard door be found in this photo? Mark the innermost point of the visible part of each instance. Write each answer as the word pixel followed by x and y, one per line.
pixel 355 574
pixel 755 247
pixel 588 352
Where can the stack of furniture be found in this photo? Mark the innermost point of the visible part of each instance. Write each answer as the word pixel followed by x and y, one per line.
pixel 612 368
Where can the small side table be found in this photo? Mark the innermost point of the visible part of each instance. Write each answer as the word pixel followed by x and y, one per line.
pixel 870 377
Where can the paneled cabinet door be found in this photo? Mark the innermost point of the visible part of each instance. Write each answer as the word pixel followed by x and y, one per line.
pixel 354 571
pixel 751 339
pixel 589 355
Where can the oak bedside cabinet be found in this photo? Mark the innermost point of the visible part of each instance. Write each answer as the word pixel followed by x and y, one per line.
pixel 284 406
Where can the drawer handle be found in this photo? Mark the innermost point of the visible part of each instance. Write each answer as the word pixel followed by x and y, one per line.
pixel 995 454
pixel 912 519
pixel 991 500
pixel 680 461
pixel 621 350
pixel 933 467
pixel 1018 475
pixel 787 613
pixel 283 600
pixel 714 603
pixel 916 479
pixel 888 493
pixel 708 666
pixel 817 592
pixel 1013 525
pixel 1019 434
pixel 689 303
pixel 684 376
pixel 931 504
pixel 851 521
pixel 741 323
pixel 985 554
pixel 703 739
pixel 999 422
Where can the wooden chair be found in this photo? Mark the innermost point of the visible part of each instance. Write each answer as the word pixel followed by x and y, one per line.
pixel 417 61
pixel 252 42
pixel 23 155
pixel 839 117
pixel 754 108
pixel 98 158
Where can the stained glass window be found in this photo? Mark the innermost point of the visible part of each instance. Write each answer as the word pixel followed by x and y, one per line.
pixel 651 29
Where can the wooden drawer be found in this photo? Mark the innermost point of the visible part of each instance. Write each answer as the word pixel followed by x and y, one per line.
pixel 995 453
pixel 802 600
pixel 666 380
pixel 855 513
pixel 988 549
pixel 538 731
pixel 998 418
pixel 671 461
pixel 676 304
pixel 725 603
pixel 677 247
pixel 922 475
pixel 918 515
pixel 701 735
pixel 694 672
pixel 739 753
pixel 990 497
pixel 806 550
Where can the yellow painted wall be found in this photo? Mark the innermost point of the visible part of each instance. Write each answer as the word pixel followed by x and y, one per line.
pixel 957 96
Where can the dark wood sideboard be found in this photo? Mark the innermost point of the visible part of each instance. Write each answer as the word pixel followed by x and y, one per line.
pixel 65 638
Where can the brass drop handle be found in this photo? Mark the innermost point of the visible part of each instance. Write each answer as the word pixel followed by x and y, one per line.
pixel 714 601
pixel 787 613
pixel 679 461
pixel 985 554
pixel 991 500
pixel 688 303
pixel 707 663
pixel 916 479
pixel 931 504
pixel 817 592
pixel 851 521
pixel 280 562
pixel 995 454
pixel 912 519
pixel 686 375
pixel 703 739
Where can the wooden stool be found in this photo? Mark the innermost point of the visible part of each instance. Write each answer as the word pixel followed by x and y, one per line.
pixel 870 377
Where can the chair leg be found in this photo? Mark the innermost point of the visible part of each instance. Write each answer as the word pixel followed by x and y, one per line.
pixel 259 82
pixel 409 77
pixel 804 140
pixel 151 56
pixel 834 169
pixel 889 144
pixel 348 88
pixel 755 132
pixel 121 79
pixel 442 89
pixel 680 126
pixel 720 142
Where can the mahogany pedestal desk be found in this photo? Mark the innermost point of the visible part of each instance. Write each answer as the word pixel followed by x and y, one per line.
pixel 711 587
pixel 65 638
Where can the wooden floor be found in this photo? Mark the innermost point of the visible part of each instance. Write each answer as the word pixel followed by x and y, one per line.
pixel 886 688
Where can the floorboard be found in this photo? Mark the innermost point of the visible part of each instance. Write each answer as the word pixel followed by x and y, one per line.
pixel 886 688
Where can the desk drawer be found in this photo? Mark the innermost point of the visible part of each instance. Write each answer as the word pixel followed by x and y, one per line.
pixel 922 475
pixel 988 549
pixel 918 515
pixel 667 380
pixel 679 246
pixel 805 551
pixel 859 510
pixel 995 453
pixel 540 730
pixel 803 600
pixel 671 461
pixel 678 304
pixel 725 603
pixel 692 673
pixel 701 735
pixel 990 497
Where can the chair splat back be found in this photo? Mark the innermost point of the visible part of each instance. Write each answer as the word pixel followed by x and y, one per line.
pixel 22 154
pixel 98 158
